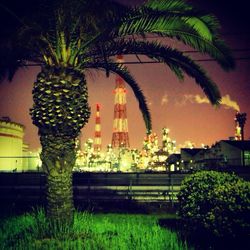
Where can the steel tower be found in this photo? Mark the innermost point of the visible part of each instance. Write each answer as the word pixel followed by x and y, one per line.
pixel 120 136
pixel 97 139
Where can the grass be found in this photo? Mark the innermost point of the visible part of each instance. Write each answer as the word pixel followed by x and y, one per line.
pixel 89 231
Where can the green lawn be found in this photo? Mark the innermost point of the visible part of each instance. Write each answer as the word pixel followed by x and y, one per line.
pixel 90 231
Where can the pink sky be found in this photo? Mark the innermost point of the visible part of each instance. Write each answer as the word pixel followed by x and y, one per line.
pixel 170 101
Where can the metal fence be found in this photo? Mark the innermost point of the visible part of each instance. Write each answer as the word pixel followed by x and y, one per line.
pixel 29 188
pixel 94 187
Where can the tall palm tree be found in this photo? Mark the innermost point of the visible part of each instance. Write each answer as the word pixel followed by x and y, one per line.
pixel 68 38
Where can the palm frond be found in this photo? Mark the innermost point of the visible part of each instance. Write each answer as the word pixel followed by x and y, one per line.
pixel 185 64
pixel 176 60
pixel 183 9
pixel 195 29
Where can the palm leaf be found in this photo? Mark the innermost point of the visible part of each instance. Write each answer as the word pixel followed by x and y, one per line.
pixel 176 61
pixel 191 27
pixel 184 9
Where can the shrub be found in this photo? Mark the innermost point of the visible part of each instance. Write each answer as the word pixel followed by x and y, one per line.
pixel 216 202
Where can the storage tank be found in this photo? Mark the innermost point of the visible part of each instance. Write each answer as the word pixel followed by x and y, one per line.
pixel 25 154
pixel 11 145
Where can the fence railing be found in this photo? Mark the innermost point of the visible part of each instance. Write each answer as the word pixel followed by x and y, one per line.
pixel 30 187
pixel 138 187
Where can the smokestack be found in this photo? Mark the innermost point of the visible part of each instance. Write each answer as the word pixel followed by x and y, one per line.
pixel 240 120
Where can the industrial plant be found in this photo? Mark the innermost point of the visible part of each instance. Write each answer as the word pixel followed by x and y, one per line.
pixel 118 156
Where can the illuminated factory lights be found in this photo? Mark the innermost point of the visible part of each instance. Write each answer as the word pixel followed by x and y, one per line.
pixel 151 157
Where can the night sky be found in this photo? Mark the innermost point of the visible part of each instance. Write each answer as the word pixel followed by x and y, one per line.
pixel 172 103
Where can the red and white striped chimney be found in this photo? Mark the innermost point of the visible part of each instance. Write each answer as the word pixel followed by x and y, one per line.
pixel 120 124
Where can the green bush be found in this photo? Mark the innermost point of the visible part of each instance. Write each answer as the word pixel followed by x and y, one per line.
pixel 215 202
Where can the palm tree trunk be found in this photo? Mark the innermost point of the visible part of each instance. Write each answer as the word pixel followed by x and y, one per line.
pixel 58 158
pixel 59 195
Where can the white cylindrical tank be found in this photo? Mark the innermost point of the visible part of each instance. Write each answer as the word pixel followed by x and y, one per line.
pixel 25 158
pixel 11 145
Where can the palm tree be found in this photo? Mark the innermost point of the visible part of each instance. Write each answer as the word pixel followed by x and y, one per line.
pixel 69 38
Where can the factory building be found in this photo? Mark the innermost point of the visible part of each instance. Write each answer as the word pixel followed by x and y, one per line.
pixel 231 153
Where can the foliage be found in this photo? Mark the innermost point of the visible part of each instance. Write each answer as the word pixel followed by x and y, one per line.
pixel 216 202
pixel 109 231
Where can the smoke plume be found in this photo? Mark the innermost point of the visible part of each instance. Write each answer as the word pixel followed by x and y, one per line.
pixel 226 101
